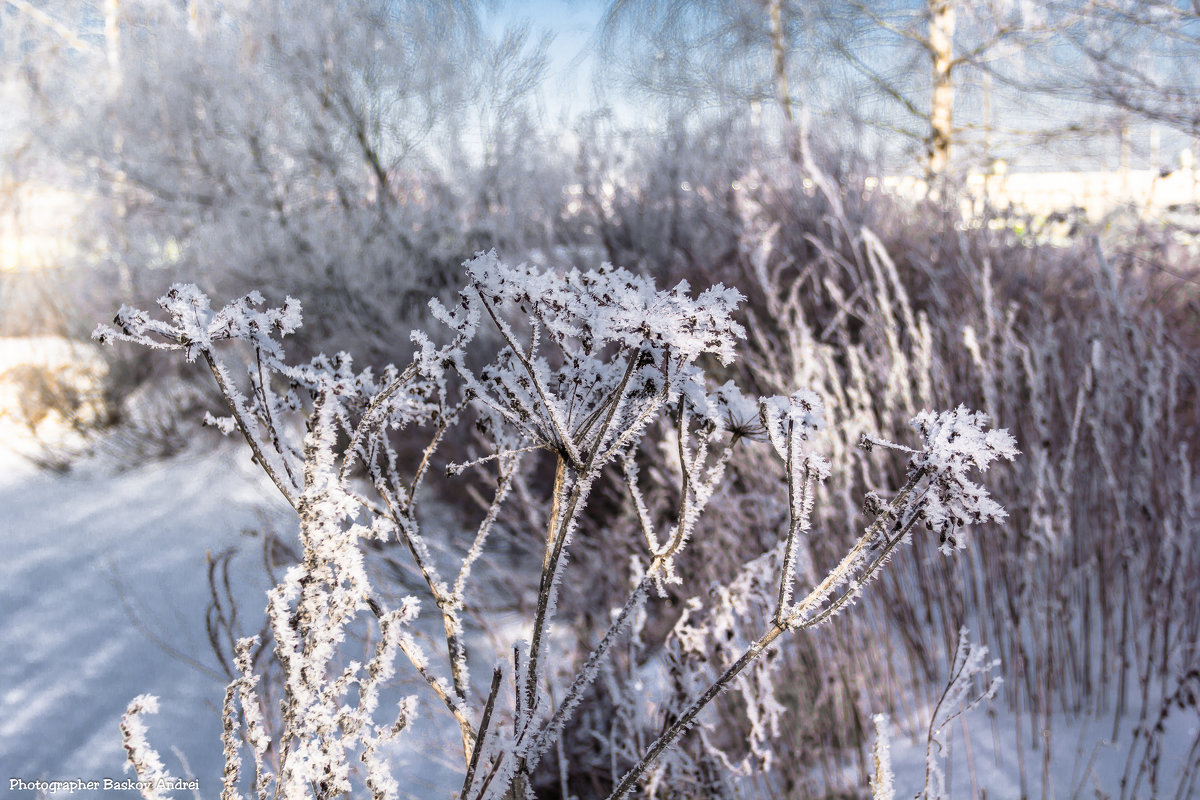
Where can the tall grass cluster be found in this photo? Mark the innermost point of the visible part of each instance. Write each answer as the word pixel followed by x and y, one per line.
pixel 1089 353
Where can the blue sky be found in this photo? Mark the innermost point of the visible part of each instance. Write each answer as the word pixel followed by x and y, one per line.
pixel 568 86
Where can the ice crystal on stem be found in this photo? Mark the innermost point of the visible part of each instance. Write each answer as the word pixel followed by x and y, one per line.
pixel 143 759
pixel 882 787
pixel 954 443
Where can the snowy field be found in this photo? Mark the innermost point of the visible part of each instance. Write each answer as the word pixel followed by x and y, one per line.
pixel 97 565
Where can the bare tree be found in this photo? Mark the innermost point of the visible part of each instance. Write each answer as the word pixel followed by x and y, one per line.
pixel 322 146
pixel 890 68
pixel 1135 56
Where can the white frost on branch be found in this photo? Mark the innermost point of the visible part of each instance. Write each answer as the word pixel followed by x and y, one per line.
pixel 961 694
pixel 142 758
pixel 882 786
pixel 196 326
pixel 954 443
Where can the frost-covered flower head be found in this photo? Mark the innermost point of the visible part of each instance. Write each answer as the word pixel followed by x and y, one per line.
pixel 802 413
pixel 953 444
pixel 599 343
pixel 194 325
pixel 613 305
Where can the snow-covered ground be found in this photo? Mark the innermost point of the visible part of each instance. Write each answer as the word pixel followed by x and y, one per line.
pixel 95 565
pixel 1085 761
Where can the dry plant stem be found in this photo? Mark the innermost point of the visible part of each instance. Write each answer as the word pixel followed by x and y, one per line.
pixel 639 505
pixel 219 619
pixel 487 781
pixel 263 389
pixel 610 402
pixel 426 457
pixel 532 753
pixel 449 623
pixel 686 469
pixel 563 439
pixel 1188 776
pixel 556 524
pixel 795 621
pixel 447 605
pixel 368 418
pixel 663 554
pixel 795 525
pixel 300 623
pixel 504 484
pixel 634 428
pixel 439 688
pixel 585 677
pixel 285 488
pixel 666 552
pixel 402 514
pixel 555 540
pixel 561 520
pixel 481 733
pixel 669 736
pixel 229 742
pixel 404 524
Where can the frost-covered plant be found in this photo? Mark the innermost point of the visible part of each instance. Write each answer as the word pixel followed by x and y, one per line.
pixel 960 696
pixel 954 443
pixel 142 758
pixel 882 786
pixel 1083 354
pixel 590 364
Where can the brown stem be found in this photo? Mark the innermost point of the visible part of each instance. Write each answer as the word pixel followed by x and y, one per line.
pixel 230 394
pixel 481 732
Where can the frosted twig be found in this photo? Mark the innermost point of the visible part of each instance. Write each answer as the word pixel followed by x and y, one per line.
pixel 142 757
pixel 370 417
pixel 458 469
pixel 560 431
pixel 882 787
pixel 587 673
pixel 241 418
pixel 482 731
pixel 417 659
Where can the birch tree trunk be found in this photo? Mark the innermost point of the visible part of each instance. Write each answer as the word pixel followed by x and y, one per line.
pixel 779 58
pixel 941 107
pixel 779 68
